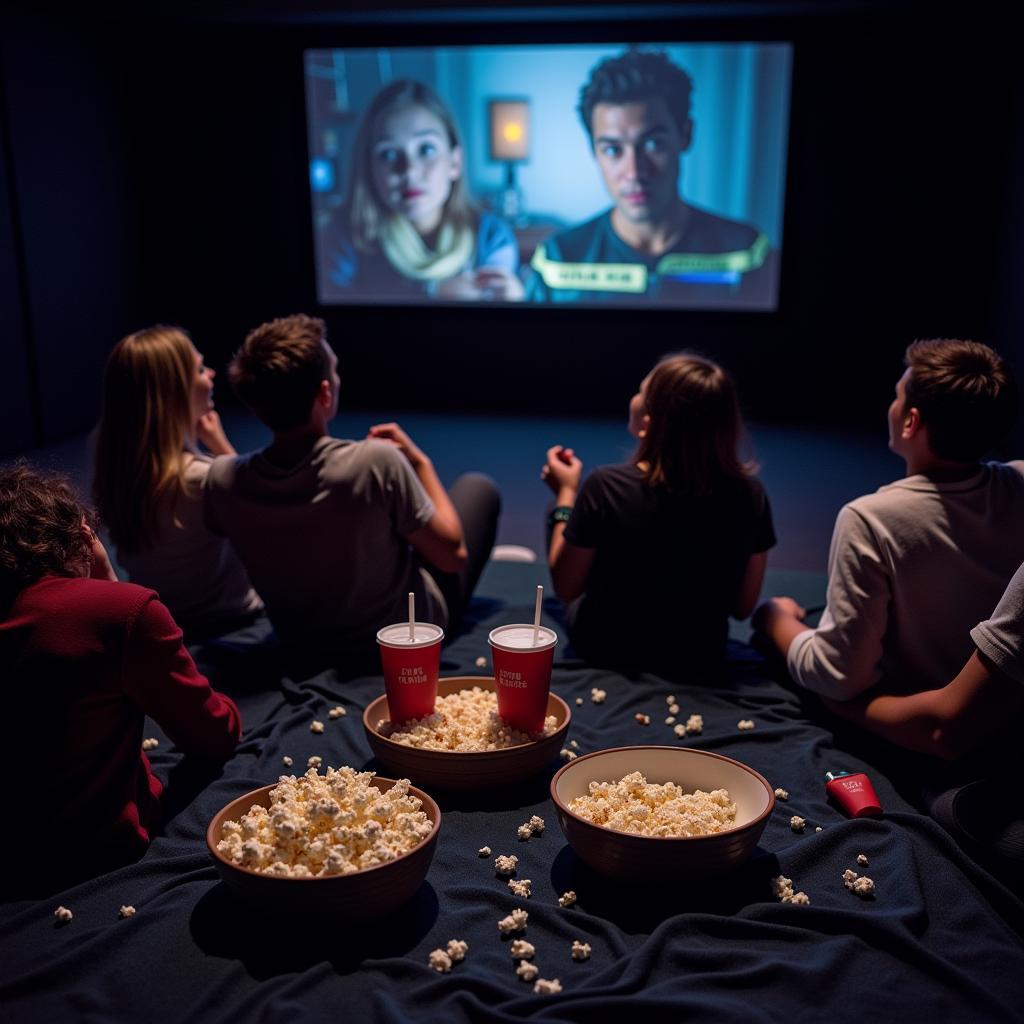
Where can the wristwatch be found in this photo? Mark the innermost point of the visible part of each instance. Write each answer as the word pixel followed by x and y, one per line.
pixel 560 514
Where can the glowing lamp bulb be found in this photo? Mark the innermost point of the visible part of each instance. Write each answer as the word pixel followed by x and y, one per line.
pixel 512 132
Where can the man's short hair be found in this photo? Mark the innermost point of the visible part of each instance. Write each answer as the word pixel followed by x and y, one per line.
pixel 278 370
pixel 965 393
pixel 634 76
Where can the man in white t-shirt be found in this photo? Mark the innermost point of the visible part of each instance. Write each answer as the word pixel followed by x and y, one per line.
pixel 338 532
pixel 914 566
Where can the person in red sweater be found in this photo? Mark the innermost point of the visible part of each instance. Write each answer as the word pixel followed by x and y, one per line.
pixel 83 659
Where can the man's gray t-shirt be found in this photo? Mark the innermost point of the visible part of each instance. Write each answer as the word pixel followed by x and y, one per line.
pixel 324 540
pixel 1001 637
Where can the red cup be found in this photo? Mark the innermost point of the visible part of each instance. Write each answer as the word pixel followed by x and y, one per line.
pixel 522 673
pixel 411 665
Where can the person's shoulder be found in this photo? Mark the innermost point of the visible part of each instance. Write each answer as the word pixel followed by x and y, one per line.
pixel 88 599
pixel 724 234
pixel 572 243
pixel 219 473
pixel 493 231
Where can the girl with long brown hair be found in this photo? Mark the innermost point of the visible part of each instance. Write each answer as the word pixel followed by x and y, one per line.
pixel 157 411
pixel 654 555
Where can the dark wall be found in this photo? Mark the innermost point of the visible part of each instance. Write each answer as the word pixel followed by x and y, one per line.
pixel 76 251
pixel 191 135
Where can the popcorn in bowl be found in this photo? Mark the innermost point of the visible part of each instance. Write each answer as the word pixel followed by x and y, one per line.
pixel 322 825
pixel 634 805
pixel 466 721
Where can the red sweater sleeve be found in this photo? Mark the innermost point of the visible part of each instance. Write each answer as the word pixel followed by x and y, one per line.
pixel 161 679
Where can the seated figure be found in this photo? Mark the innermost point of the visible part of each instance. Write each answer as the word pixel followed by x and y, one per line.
pixel 84 659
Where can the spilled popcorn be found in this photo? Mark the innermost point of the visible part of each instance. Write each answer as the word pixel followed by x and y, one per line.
pixel 567 755
pixel 63 915
pixel 574 745
pixel 797 824
pixel 440 961
pixel 466 721
pixel 457 950
pixel 524 832
pixel 670 720
pixel 484 851
pixel 783 889
pixel 580 950
pixel 673 709
pixel 504 865
pixel 547 988
pixel 642 719
pixel 126 911
pixel 859 884
pixel 536 824
pixel 514 922
pixel 651 809
pixel 520 887
pixel 579 702
pixel 315 761
pixel 481 662
pixel 527 971
pixel 319 825
pixel 522 950
pixel 316 726
pixel 150 744
pixel 744 724
pixel 287 761
pixel 337 712
pixel 598 696
pixel 567 899
pixel 782 794
pixel 862 859
pixel 695 724
pixel 680 730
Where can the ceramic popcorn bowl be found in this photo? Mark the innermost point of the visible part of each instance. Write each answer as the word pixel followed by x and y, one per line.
pixel 449 769
pixel 335 899
pixel 628 857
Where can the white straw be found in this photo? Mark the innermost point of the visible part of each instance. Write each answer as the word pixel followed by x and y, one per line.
pixel 536 616
pixel 412 616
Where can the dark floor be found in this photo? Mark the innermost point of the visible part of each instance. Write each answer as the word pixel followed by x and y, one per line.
pixel 808 474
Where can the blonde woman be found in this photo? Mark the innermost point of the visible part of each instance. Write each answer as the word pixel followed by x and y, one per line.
pixel 409 228
pixel 157 411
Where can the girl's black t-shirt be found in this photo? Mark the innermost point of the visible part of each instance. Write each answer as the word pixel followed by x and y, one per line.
pixel 667 568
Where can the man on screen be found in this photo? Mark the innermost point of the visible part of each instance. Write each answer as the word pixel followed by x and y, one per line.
pixel 651 246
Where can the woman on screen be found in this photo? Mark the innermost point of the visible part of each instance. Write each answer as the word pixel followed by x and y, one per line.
pixel 157 411
pixel 654 555
pixel 409 228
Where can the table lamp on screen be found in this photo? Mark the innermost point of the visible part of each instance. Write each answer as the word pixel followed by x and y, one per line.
pixel 510 144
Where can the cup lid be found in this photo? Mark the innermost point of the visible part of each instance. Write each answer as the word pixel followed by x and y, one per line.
pixel 424 634
pixel 518 636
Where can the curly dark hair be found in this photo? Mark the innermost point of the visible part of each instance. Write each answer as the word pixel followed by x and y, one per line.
pixel 633 76
pixel 40 528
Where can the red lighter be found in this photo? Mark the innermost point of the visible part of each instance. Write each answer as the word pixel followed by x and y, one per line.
pixel 854 794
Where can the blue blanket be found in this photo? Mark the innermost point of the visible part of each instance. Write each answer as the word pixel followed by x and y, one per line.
pixel 939 941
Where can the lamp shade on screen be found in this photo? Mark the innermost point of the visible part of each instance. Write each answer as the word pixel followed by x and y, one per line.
pixel 510 129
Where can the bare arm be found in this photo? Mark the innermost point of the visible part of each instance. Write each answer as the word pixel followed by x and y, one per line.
pixel 750 586
pixel 948 722
pixel 439 541
pixel 569 563
pixel 780 619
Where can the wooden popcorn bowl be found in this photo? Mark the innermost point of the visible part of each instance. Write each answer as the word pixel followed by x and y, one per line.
pixel 335 899
pixel 449 769
pixel 629 857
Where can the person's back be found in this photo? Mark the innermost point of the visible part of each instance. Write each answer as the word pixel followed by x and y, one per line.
pixel 323 539
pixel 667 567
pixel 942 553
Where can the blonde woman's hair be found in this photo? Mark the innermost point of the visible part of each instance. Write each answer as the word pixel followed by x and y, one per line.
pixel 691 440
pixel 145 425
pixel 367 215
